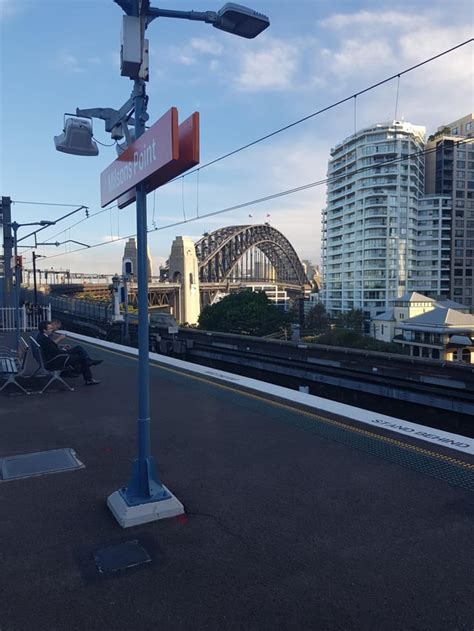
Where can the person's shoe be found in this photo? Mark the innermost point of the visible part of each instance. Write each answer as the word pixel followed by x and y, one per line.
pixel 95 362
pixel 92 382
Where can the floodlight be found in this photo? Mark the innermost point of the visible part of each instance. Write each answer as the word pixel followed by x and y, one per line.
pixel 239 20
pixel 129 133
pixel 77 138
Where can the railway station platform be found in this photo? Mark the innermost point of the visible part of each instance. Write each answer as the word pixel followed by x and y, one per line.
pixel 298 515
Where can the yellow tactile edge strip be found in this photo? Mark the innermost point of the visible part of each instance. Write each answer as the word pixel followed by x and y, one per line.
pixel 324 419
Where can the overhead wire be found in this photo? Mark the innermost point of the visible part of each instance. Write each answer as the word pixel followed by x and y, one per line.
pixel 272 196
pixel 99 212
pixel 17 201
pixel 327 108
pixel 293 124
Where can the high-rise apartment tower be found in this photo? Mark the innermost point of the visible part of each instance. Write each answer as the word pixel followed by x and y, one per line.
pixel 450 172
pixel 376 177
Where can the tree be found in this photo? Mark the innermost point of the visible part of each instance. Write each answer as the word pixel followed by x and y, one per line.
pixel 245 312
pixel 352 339
pixel 317 319
pixel 353 320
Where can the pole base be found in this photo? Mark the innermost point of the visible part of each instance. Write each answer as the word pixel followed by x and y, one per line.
pixel 128 516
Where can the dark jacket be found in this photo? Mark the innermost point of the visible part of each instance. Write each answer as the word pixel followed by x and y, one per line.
pixel 49 348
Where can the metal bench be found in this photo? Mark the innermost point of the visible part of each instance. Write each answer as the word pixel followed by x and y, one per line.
pixel 53 373
pixel 13 367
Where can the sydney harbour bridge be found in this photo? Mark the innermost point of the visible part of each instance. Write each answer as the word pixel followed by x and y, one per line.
pixel 228 259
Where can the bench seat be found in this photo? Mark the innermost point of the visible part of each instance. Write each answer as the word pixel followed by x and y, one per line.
pixel 13 367
pixel 8 366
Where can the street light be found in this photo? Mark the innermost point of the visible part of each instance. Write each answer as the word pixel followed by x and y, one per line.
pixel 232 18
pixel 77 138
pixel 145 498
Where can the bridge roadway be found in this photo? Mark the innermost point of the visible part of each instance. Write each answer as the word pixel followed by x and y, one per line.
pixel 166 293
pixel 296 517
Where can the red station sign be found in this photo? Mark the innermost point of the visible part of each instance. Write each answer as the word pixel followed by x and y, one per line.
pixel 162 152
pixel 188 142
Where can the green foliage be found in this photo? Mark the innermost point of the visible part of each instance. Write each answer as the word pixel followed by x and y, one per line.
pixel 353 339
pixel 317 319
pixel 353 319
pixel 245 312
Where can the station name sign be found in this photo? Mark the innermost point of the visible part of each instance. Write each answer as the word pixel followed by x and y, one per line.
pixel 188 145
pixel 157 148
pixel 164 151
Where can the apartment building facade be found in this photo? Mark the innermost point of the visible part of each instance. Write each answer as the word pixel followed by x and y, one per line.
pixel 431 268
pixel 375 181
pixel 449 167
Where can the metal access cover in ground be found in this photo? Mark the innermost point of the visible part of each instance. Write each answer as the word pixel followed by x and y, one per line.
pixel 121 557
pixel 38 463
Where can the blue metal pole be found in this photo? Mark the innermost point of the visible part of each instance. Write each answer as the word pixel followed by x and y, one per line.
pixel 144 485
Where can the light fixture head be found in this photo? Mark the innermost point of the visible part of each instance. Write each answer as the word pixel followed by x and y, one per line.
pixel 129 134
pixel 77 138
pixel 239 20
pixel 116 282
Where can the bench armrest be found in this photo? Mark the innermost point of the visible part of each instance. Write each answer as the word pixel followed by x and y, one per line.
pixel 64 357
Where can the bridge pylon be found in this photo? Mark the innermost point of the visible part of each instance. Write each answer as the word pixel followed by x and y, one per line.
pixel 184 268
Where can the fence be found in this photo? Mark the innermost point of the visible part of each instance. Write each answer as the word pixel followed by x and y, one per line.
pixel 62 305
pixel 28 318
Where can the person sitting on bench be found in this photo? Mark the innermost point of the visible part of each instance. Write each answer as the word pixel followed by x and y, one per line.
pixel 78 361
pixel 78 350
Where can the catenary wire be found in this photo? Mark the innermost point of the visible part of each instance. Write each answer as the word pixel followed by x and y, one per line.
pixel 297 122
pixel 17 201
pixel 99 212
pixel 326 109
pixel 272 196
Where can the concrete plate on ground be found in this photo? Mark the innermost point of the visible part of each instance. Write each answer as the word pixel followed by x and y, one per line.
pixel 38 463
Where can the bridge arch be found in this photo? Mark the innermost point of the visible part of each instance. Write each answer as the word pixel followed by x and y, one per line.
pixel 219 252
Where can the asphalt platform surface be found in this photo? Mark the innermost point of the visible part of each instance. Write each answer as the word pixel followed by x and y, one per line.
pixel 284 528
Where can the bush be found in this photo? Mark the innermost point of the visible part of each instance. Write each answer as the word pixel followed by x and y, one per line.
pixel 246 312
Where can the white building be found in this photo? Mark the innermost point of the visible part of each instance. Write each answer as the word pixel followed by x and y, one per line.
pixel 431 269
pixel 435 329
pixel 370 221
pixel 277 296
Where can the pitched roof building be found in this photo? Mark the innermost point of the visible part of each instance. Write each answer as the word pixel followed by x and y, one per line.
pixel 427 328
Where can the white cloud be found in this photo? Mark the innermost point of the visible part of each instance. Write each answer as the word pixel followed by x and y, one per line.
pixel 373 19
pixel 273 67
pixel 109 238
pixel 367 46
pixel 69 62
pixel 207 46
pixel 358 56
pixel 197 47
pixel 186 60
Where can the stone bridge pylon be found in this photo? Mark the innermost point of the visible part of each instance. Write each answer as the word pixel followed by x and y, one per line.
pixel 184 269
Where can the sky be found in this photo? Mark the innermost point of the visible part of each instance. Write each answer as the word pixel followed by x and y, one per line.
pixel 57 55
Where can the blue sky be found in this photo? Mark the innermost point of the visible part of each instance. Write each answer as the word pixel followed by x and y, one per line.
pixel 57 55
